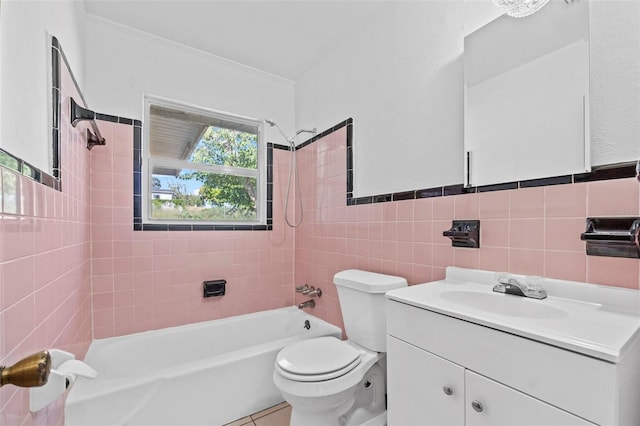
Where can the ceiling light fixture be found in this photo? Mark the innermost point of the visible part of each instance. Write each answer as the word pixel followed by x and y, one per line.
pixel 520 8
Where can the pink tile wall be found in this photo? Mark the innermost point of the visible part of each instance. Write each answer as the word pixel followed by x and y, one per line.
pixel 146 280
pixel 70 261
pixel 45 267
pixel 527 231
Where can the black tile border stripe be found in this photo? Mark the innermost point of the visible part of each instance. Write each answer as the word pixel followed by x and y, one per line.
pixel 616 171
pixel 406 195
pixel 56 104
pixel 107 117
pixel 603 172
pixel 278 146
pixel 498 187
pixel 557 180
pixel 430 192
pixel 58 57
pixel 198 227
pixel 599 173
pixel 458 190
pixel 347 122
pixel 21 167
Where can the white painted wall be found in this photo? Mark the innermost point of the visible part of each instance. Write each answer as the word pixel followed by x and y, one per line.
pixel 122 64
pixel 401 79
pixel 25 66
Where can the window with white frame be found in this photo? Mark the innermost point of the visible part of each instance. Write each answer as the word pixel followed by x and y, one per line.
pixel 201 166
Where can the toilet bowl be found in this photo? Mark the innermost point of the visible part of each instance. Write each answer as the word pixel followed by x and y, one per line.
pixel 330 382
pixel 324 393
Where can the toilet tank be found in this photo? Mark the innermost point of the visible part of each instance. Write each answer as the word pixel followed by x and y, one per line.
pixel 362 301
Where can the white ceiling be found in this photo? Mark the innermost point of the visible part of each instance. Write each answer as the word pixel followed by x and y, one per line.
pixel 280 37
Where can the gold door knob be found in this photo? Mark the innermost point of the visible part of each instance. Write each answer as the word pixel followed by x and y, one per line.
pixel 29 372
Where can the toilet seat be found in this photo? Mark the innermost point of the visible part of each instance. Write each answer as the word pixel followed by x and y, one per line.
pixel 315 360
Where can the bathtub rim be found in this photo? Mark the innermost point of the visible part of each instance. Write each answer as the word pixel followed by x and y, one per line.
pixel 200 324
pixel 194 366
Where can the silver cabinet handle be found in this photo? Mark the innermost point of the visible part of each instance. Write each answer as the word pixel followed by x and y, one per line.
pixel 477 405
pixel 447 390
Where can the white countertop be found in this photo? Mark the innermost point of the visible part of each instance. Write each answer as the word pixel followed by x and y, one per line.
pixel 597 321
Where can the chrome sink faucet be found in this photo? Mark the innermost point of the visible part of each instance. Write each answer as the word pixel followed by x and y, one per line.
pixel 508 285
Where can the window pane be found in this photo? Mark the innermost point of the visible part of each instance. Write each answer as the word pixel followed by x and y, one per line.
pixel 194 137
pixel 204 165
pixel 182 194
pixel 226 147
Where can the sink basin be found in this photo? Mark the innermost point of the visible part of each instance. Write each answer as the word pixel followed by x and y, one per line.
pixel 503 304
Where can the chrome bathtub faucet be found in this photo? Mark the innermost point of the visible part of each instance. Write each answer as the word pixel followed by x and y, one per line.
pixel 308 304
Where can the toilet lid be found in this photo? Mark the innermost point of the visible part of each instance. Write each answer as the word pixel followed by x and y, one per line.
pixel 321 358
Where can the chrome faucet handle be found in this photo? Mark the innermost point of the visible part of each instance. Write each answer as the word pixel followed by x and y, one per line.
pixel 302 288
pixel 310 291
pixel 314 292
pixel 534 287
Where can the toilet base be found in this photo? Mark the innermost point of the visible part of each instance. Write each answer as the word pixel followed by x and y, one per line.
pixel 313 419
pixel 369 407
pixel 379 420
pixel 363 406
pixel 330 420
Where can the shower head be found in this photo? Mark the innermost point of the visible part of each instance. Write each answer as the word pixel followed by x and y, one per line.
pixel 272 123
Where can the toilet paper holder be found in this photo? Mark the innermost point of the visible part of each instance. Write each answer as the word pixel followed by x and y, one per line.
pixel 64 369
pixel 612 236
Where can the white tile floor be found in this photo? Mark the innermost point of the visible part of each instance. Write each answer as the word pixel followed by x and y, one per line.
pixel 278 415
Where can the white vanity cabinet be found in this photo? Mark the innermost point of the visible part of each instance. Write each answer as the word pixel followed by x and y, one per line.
pixel 459 355
pixel 491 404
pixel 424 389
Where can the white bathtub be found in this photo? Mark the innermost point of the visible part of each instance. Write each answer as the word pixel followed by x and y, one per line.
pixel 208 373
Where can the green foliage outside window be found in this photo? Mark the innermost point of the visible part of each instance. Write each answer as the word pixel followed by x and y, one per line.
pixel 226 147
pixel 220 197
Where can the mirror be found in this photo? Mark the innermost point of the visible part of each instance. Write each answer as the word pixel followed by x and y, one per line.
pixel 527 96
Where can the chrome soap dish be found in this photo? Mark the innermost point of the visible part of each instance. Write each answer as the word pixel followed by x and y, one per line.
pixel 464 233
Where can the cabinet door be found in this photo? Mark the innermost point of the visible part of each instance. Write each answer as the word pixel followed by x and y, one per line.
pixel 422 389
pixel 489 403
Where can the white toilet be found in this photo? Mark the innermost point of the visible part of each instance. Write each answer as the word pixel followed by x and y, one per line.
pixel 330 382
